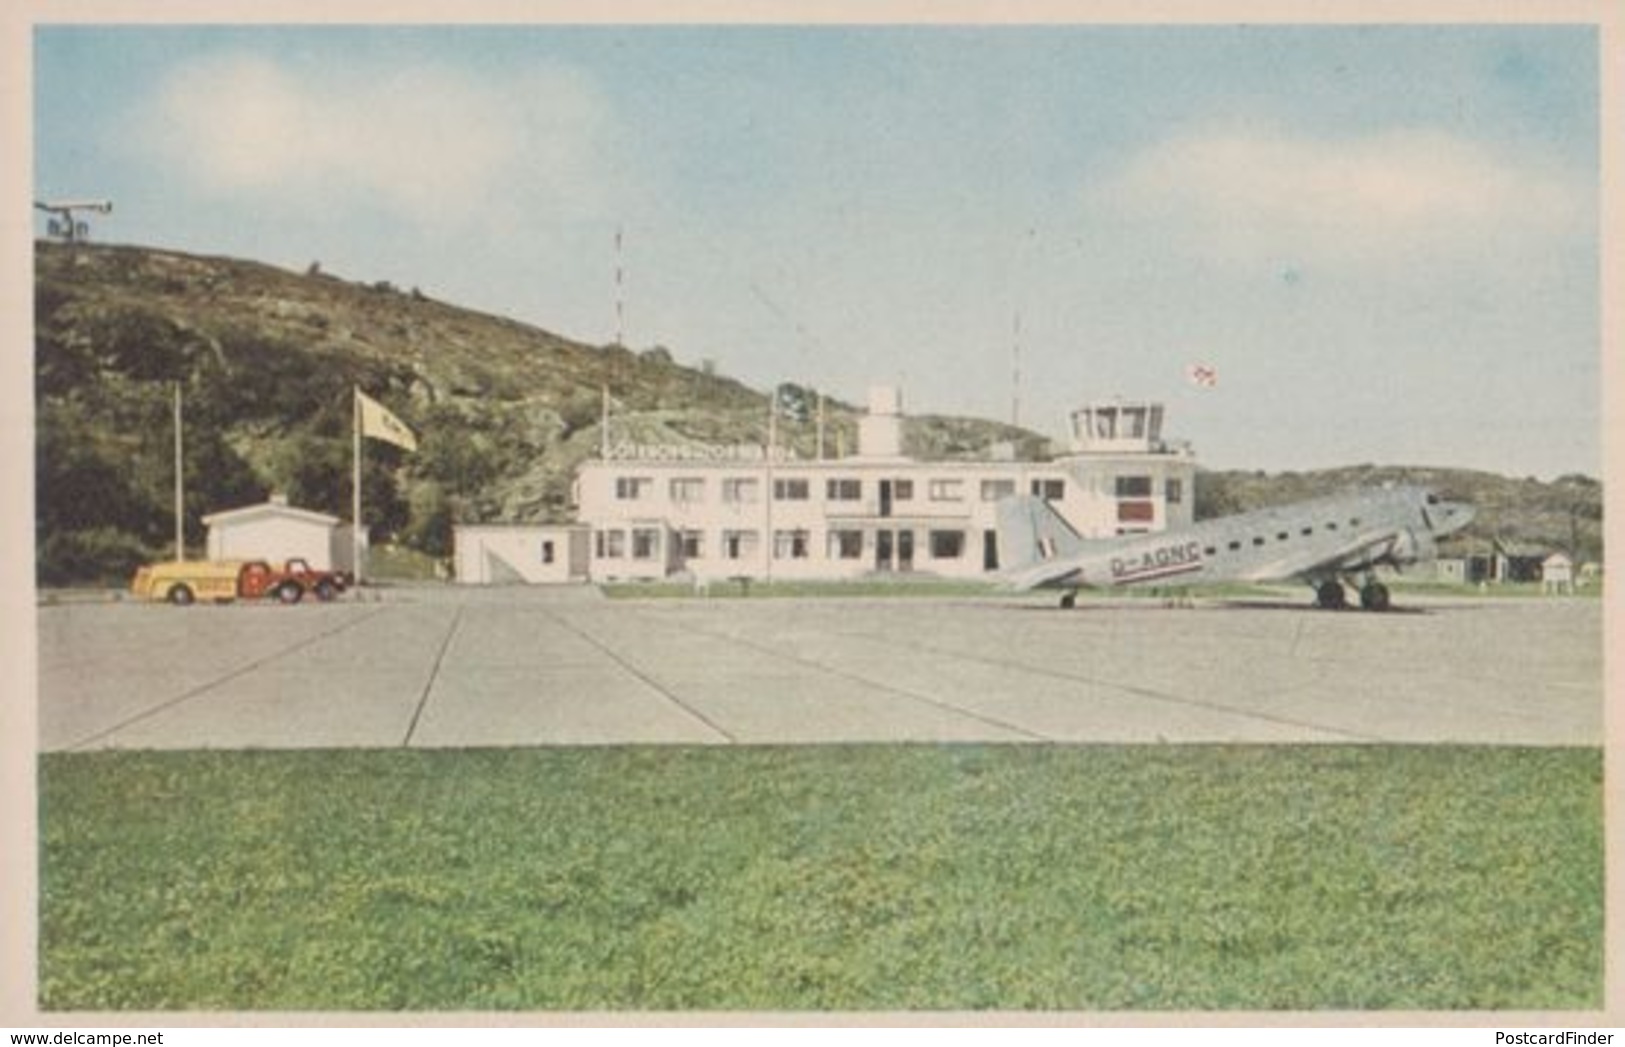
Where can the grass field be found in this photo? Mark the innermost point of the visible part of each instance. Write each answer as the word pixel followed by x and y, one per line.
pixel 879 877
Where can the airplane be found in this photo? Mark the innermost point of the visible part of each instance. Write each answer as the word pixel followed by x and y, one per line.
pixel 1323 542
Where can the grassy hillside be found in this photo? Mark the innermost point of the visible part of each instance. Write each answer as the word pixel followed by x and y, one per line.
pixel 266 359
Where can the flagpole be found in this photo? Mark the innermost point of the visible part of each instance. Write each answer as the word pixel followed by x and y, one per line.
pixel 355 485
pixel 180 485
pixel 770 546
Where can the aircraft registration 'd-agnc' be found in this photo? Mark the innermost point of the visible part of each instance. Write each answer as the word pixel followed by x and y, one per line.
pixel 1324 542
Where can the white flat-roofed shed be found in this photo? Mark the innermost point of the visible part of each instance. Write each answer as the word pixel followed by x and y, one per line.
pixel 530 554
pixel 276 531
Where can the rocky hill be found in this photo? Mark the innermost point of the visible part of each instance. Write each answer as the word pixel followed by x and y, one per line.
pixel 266 358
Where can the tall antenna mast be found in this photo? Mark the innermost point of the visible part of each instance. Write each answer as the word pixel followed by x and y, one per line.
pixel 620 291
pixel 1015 373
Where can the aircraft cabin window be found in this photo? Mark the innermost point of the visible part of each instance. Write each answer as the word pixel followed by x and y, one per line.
pixel 1331 527
pixel 1281 537
pixel 1354 522
pixel 1210 551
pixel 1307 531
pixel 1235 546
pixel 1259 540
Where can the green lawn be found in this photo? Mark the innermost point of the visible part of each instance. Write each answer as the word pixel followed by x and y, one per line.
pixel 862 877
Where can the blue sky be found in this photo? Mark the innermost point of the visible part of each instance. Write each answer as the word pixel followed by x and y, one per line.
pixel 1384 238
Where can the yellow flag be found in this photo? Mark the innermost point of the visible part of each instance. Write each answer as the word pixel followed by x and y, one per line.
pixel 379 423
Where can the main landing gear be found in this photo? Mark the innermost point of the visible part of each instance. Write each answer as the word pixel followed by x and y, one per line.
pixel 1330 595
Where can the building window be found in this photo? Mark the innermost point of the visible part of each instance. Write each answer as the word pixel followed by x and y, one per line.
pixel 903 490
pixel 693 544
pixel 1174 491
pixel 947 545
pixel 1136 512
pixel 844 490
pixel 632 488
pixel 790 545
pixel 547 551
pixel 645 542
pixel 846 545
pixel 739 490
pixel 993 490
pixel 611 545
pixel 687 490
pixel 947 490
pixel 739 545
pixel 1134 487
pixel 789 490
pixel 1049 490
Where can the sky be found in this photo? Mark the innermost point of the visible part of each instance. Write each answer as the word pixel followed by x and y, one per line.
pixel 1384 239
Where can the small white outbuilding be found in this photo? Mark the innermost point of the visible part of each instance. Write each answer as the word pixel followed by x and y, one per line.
pixel 276 531
pixel 531 554
pixel 1557 574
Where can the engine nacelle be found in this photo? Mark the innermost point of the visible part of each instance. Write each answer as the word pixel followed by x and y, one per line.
pixel 1412 545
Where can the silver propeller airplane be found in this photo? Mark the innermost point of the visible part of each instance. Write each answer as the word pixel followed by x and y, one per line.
pixel 1322 542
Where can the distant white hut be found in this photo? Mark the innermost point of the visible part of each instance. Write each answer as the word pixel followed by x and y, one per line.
pixel 1557 574
pixel 276 531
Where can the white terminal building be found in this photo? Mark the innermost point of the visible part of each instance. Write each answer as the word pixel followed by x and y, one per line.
pixel 717 513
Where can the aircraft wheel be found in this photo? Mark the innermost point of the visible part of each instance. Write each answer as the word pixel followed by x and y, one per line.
pixel 1331 596
pixel 1374 597
pixel 1069 601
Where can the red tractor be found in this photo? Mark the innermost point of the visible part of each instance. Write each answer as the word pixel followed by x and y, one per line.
pixel 290 583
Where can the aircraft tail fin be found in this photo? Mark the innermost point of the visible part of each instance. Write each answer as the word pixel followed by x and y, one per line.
pixel 1030 532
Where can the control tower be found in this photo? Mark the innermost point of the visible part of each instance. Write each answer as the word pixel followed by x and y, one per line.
pixel 1121 427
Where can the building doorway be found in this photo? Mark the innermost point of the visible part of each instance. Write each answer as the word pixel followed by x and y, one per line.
pixel 894 550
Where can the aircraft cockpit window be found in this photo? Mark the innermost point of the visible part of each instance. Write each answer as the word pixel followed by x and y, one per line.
pixel 1433 499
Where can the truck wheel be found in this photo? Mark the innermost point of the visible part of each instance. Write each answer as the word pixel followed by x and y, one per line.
pixel 326 590
pixel 181 595
pixel 289 592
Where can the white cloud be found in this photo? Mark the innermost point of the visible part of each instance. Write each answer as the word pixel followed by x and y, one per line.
pixel 426 144
pixel 1246 195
